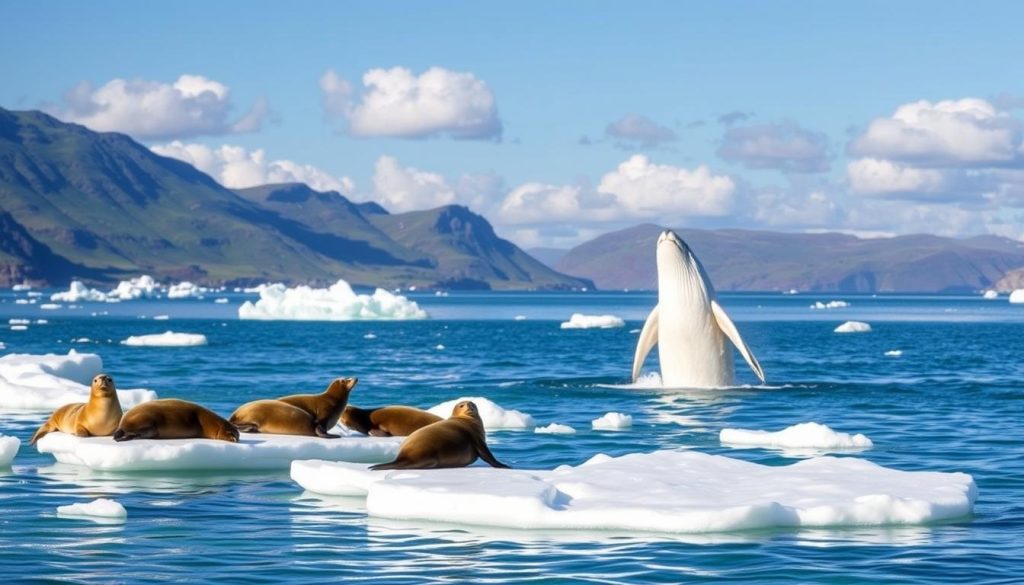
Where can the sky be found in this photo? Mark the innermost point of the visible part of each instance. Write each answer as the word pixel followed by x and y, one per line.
pixel 560 121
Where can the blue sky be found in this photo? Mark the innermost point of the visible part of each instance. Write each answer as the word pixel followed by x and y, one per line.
pixel 582 116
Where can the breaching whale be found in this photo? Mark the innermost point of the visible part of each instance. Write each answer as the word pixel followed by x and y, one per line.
pixel 689 325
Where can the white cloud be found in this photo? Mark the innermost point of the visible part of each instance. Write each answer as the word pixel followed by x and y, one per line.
pixel 395 102
pixel 401 188
pixel 968 131
pixel 649 190
pixel 237 168
pixel 876 176
pixel 191 106
pixel 540 203
pixel 786 147
pixel 639 129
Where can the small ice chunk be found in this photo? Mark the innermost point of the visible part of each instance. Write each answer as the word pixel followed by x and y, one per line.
pixel 41 322
pixel 8 449
pixel 99 508
pixel 830 305
pixel 581 321
pixel 555 428
pixel 369 336
pixel 894 353
pixel 337 303
pixel 19 327
pixel 50 306
pixel 18 321
pixel 221 301
pixel 161 317
pixel 494 416
pixel 990 294
pixel 439 347
pixel 853 327
pixel 21 287
pixel 520 317
pixel 82 340
pixel 612 421
pixel 166 339
pixel 1017 296
pixel 809 435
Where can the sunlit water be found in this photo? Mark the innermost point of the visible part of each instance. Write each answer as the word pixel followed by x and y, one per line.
pixel 952 402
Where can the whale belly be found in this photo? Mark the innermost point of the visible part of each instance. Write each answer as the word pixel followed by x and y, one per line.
pixel 694 356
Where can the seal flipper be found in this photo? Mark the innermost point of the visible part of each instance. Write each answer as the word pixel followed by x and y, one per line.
pixel 648 337
pixel 484 452
pixel 246 427
pixel 323 434
pixel 45 429
pixel 727 327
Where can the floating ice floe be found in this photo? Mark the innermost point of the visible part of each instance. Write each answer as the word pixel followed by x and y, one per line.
pixel 253 451
pixel 369 336
pixel 853 327
pixel 221 301
pixel 830 305
pixel 161 317
pixel 185 290
pixel 142 287
pixel 807 435
pixel 612 421
pixel 46 382
pixel 50 306
pixel 19 327
pixel 494 416
pixel 1017 296
pixel 990 294
pixel 24 301
pixel 439 347
pixel 21 287
pixel 101 508
pixel 77 292
pixel 18 321
pixel 554 429
pixel 337 303
pixel 166 339
pixel 894 353
pixel 520 318
pixel 664 491
pixel 8 449
pixel 581 321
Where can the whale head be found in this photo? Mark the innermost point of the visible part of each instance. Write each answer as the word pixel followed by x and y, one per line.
pixel 679 271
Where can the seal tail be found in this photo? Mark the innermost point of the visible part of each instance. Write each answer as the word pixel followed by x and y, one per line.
pixel 41 432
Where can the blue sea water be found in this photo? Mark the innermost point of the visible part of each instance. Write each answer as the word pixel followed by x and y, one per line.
pixel 952 402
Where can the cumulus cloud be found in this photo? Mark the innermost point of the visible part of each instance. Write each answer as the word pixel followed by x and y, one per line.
pixel 786 147
pixel 397 103
pixel 236 167
pixel 641 130
pixel 401 188
pixel 879 176
pixel 191 106
pixel 969 131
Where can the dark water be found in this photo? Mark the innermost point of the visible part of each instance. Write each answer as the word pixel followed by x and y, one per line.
pixel 953 402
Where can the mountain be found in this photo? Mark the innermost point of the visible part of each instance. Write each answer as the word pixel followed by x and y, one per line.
pixel 549 256
pixel 749 260
pixel 1010 282
pixel 100 206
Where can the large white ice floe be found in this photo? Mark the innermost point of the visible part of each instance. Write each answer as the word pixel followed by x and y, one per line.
pixel 78 292
pixel 46 382
pixel 8 449
pixel 1017 296
pixel 830 305
pixel 166 339
pixel 853 327
pixel 337 303
pixel 100 508
pixel 665 491
pixel 809 435
pixel 581 321
pixel 185 290
pixel 612 421
pixel 253 451
pixel 142 287
pixel 495 417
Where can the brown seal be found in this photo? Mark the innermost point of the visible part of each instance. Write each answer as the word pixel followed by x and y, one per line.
pixel 387 421
pixel 174 419
pixel 299 414
pixel 96 418
pixel 454 442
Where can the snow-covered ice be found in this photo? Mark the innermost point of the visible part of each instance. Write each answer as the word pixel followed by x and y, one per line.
pixel 46 382
pixel 21 287
pixel 185 290
pixel 809 435
pixel 50 306
pixel 830 305
pixel 221 301
pixel 253 451
pixel 166 339
pixel 612 421
pixel 77 292
pixel 520 318
pixel 1017 296
pixel 18 321
pixel 990 294
pixel 8 449
pixel 142 287
pixel 337 303
pixel 554 429
pixel 494 416
pixel 99 508
pixel 853 327
pixel 581 321
pixel 19 327
pixel 894 353
pixel 664 491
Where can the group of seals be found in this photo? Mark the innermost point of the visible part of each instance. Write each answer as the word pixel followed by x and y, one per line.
pixel 298 414
pixel 454 442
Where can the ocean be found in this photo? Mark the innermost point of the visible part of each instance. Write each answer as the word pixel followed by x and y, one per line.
pixel 953 401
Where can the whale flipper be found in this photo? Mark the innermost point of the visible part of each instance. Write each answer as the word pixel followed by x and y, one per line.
pixel 648 337
pixel 725 324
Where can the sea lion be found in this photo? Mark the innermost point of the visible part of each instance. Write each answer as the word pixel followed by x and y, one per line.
pixel 174 419
pixel 387 421
pixel 454 442
pixel 298 414
pixel 96 418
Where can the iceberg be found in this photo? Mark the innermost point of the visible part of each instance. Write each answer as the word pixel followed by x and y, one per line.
pixel 581 321
pixel 166 339
pixel 8 449
pixel 1017 296
pixel 77 292
pixel 337 303
pixel 555 428
pixel 494 416
pixel 853 327
pixel 101 508
pixel 612 421
pixel 45 382
pixel 990 294
pixel 664 491
pixel 809 435
pixel 143 287
pixel 253 452
pixel 830 305
pixel 185 290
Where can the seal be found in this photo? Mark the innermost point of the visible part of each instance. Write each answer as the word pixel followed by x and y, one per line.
pixel 454 442
pixel 174 419
pixel 298 414
pixel 688 325
pixel 387 421
pixel 96 418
